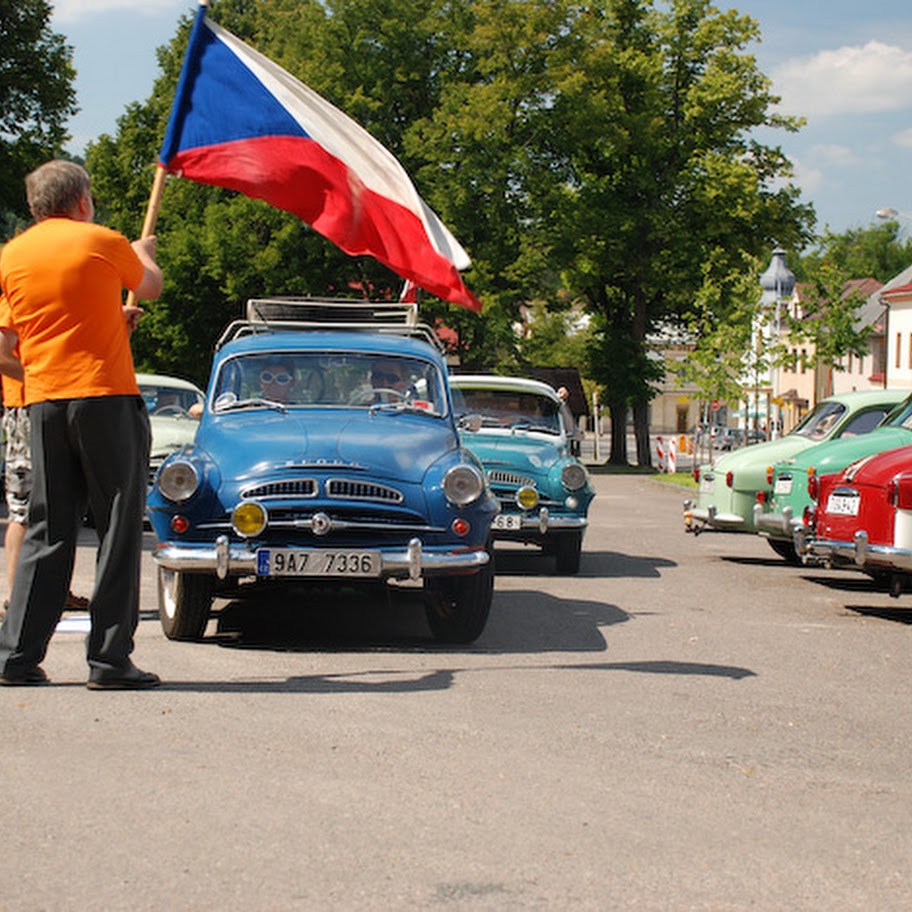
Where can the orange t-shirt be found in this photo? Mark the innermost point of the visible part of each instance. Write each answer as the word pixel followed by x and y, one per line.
pixel 63 280
pixel 12 388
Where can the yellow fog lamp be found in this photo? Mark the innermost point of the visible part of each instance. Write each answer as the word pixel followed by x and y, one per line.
pixel 249 519
pixel 527 497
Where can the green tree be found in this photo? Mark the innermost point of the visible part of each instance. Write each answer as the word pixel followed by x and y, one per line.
pixel 828 325
pixel 723 354
pixel 653 117
pixel 876 251
pixel 36 99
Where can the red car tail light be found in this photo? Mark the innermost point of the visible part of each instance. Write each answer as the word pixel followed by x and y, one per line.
pixel 761 497
pixel 813 483
pixel 899 494
pixel 730 479
pixel 809 517
pixel 696 474
pixel 769 475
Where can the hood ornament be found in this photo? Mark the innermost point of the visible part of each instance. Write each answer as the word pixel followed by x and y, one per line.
pixel 321 524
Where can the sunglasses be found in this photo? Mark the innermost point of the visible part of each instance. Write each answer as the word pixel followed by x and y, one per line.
pixel 384 377
pixel 283 378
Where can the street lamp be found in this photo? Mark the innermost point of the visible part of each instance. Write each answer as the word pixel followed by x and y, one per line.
pixel 778 283
pixel 891 214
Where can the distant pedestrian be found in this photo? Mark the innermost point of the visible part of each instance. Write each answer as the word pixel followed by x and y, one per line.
pixel 63 279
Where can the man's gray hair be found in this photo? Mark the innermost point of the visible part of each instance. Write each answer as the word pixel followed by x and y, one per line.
pixel 55 188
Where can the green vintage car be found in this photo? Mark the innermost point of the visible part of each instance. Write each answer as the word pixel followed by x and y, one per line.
pixel 783 514
pixel 729 489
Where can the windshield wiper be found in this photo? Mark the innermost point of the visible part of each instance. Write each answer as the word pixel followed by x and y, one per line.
pixel 250 403
pixel 528 426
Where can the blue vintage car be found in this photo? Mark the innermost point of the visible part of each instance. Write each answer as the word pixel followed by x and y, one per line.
pixel 328 452
pixel 525 439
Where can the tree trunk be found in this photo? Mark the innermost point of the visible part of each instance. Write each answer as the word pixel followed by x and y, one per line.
pixel 641 433
pixel 618 454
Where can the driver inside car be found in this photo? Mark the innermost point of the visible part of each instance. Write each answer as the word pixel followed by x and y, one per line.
pixel 277 381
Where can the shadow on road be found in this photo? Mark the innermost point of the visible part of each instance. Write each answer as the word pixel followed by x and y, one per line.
pixel 315 619
pixel 593 565
pixel 393 681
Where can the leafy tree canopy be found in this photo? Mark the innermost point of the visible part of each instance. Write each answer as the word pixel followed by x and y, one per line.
pixel 36 99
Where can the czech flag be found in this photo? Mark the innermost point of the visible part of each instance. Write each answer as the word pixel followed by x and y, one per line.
pixel 240 121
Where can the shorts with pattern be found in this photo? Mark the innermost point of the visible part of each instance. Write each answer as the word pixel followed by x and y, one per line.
pixel 18 469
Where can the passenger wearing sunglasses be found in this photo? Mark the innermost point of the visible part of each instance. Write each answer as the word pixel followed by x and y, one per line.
pixel 277 381
pixel 389 374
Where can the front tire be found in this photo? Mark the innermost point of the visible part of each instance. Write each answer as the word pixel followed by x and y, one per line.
pixel 568 547
pixel 785 550
pixel 184 603
pixel 457 607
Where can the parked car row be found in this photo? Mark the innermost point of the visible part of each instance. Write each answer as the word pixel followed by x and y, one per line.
pixel 335 449
pixel 845 502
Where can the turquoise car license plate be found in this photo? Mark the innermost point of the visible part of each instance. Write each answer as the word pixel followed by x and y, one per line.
pixel 317 562
pixel 507 521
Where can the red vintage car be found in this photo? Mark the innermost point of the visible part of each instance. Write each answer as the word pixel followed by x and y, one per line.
pixel 864 517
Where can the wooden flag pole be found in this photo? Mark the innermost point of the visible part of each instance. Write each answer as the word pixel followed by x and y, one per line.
pixel 148 228
pixel 158 188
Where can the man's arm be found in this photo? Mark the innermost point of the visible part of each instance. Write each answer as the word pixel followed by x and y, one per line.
pixel 150 287
pixel 10 365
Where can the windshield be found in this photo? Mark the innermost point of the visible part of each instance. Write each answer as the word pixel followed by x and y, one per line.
pixel 282 380
pixel 820 421
pixel 509 409
pixel 901 416
pixel 162 399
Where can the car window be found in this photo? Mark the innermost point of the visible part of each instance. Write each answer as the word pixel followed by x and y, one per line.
pixel 329 380
pixel 818 423
pixel 510 409
pixel 164 399
pixel 901 416
pixel 863 422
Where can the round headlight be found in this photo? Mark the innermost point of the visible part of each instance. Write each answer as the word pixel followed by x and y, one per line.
pixel 573 476
pixel 527 497
pixel 249 519
pixel 462 485
pixel 178 481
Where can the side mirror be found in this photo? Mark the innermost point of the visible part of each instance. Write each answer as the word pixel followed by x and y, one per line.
pixel 470 423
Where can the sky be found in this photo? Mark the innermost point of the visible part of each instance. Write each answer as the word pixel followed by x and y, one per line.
pixel 844 65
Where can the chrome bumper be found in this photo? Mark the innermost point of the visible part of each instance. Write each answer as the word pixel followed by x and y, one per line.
pixel 697 518
pixel 226 559
pixel 778 525
pixel 543 521
pixel 861 553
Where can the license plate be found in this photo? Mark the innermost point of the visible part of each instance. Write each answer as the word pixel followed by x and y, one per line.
pixel 317 562
pixel 507 521
pixel 707 485
pixel 783 486
pixel 843 505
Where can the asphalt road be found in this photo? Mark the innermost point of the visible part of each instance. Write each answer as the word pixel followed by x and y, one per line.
pixel 688 724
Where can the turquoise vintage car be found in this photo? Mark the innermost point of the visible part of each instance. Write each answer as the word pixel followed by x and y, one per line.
pixel 729 489
pixel 525 440
pixel 327 454
pixel 784 512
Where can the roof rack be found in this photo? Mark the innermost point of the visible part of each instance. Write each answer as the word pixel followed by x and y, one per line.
pixel 267 315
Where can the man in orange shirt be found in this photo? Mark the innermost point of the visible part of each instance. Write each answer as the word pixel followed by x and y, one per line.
pixel 63 280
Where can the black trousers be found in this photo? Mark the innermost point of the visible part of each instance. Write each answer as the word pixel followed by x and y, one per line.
pixel 91 452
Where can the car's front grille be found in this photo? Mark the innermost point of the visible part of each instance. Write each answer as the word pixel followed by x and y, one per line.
pixel 292 487
pixel 500 477
pixel 349 489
